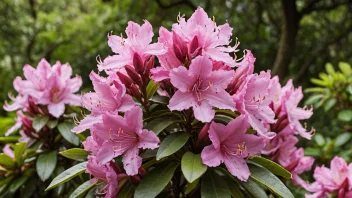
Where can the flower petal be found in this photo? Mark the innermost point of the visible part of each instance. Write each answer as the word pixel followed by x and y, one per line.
pixel 211 157
pixel 132 161
pixel 237 167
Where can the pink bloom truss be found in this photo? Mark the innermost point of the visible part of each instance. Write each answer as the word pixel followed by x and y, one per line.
pixel 336 179
pixel 138 41
pixel 201 88
pixel 213 40
pixel 253 99
pixel 105 173
pixel 124 136
pixel 230 145
pixel 106 98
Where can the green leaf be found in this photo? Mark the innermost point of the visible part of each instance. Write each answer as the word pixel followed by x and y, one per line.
pixel 272 166
pixel 19 150
pixel 52 123
pixel 75 154
pixel 191 186
pixel 6 160
pixel 319 82
pixel 67 175
pixel 329 104
pixel 312 151
pixel 6 181
pixel 342 139
pixel 156 180
pixel 345 68
pixel 126 191
pixel 29 187
pixel 82 189
pixel 160 99
pixel 159 124
pixel 192 166
pixel 151 88
pixel 319 139
pixel 91 193
pixel 213 186
pixel 9 139
pixel 313 99
pixel 17 183
pixel 65 130
pixel 171 144
pixel 234 189
pixel 253 188
pixel 345 115
pixel 330 69
pixel 315 90
pixel 39 122
pixel 269 180
pixel 46 164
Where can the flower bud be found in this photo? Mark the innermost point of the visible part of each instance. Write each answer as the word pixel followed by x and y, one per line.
pixel 178 54
pixel 203 137
pixel 138 63
pixel 124 79
pixel 193 48
pixel 135 91
pixel 32 106
pixel 133 75
pixel 148 65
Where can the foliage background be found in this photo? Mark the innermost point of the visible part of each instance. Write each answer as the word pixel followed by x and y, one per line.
pixel 293 38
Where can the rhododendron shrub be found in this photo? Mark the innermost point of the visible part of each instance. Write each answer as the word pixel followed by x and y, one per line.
pixel 185 117
pixel 44 106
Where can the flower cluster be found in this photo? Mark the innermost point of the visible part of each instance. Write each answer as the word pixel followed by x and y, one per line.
pixel 337 179
pixel 197 79
pixel 282 148
pixel 45 91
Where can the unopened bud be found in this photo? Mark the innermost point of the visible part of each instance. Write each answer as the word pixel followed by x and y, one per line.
pixel 138 63
pixel 33 108
pixel 178 54
pixel 194 45
pixel 203 137
pixel 148 65
pixel 135 91
pixel 133 75
pixel 142 171
pixel 124 79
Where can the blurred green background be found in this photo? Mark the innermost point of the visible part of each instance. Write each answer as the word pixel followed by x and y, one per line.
pixel 293 38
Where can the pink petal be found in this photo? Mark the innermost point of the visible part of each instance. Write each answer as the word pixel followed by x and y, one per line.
pixel 57 109
pixel 107 152
pixel 126 103
pixel 115 43
pixel 253 143
pixel 132 161
pixel 211 157
pixel 159 74
pixel 72 99
pixel 221 78
pixel 155 49
pixel 181 101
pixel 203 111
pixel 219 98
pixel 217 134
pixel 74 84
pixel 87 122
pixel 182 79
pixel 115 62
pixel 218 55
pixel 237 167
pixel 98 103
pixel 201 67
pixel 134 119
pixel 148 139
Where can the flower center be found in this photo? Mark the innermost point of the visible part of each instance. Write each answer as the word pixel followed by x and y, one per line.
pixel 198 88
pixel 241 149
pixel 55 95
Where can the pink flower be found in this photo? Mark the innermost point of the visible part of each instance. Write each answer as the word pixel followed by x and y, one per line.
pixel 253 99
pixel 58 93
pixel 138 41
pixel 105 173
pixel 106 98
pixel 336 179
pixel 201 88
pixel 231 144
pixel 124 136
pixel 212 40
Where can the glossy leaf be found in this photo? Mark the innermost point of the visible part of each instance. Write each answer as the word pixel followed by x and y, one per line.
pixel 171 144
pixel 213 186
pixel 82 189
pixel 67 175
pixel 6 160
pixel 159 124
pixel 52 123
pixel 151 88
pixel 9 139
pixel 234 189
pixel 342 139
pixel 191 186
pixel 19 150
pixel 345 115
pixel 17 183
pixel 329 104
pixel 39 122
pixel 192 166
pixel 75 154
pixel 126 191
pixel 46 164
pixel 65 130
pixel 160 99
pixel 253 188
pixel 269 180
pixel 156 180
pixel 272 166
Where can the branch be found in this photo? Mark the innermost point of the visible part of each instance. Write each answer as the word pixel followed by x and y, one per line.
pixel 312 6
pixel 186 2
